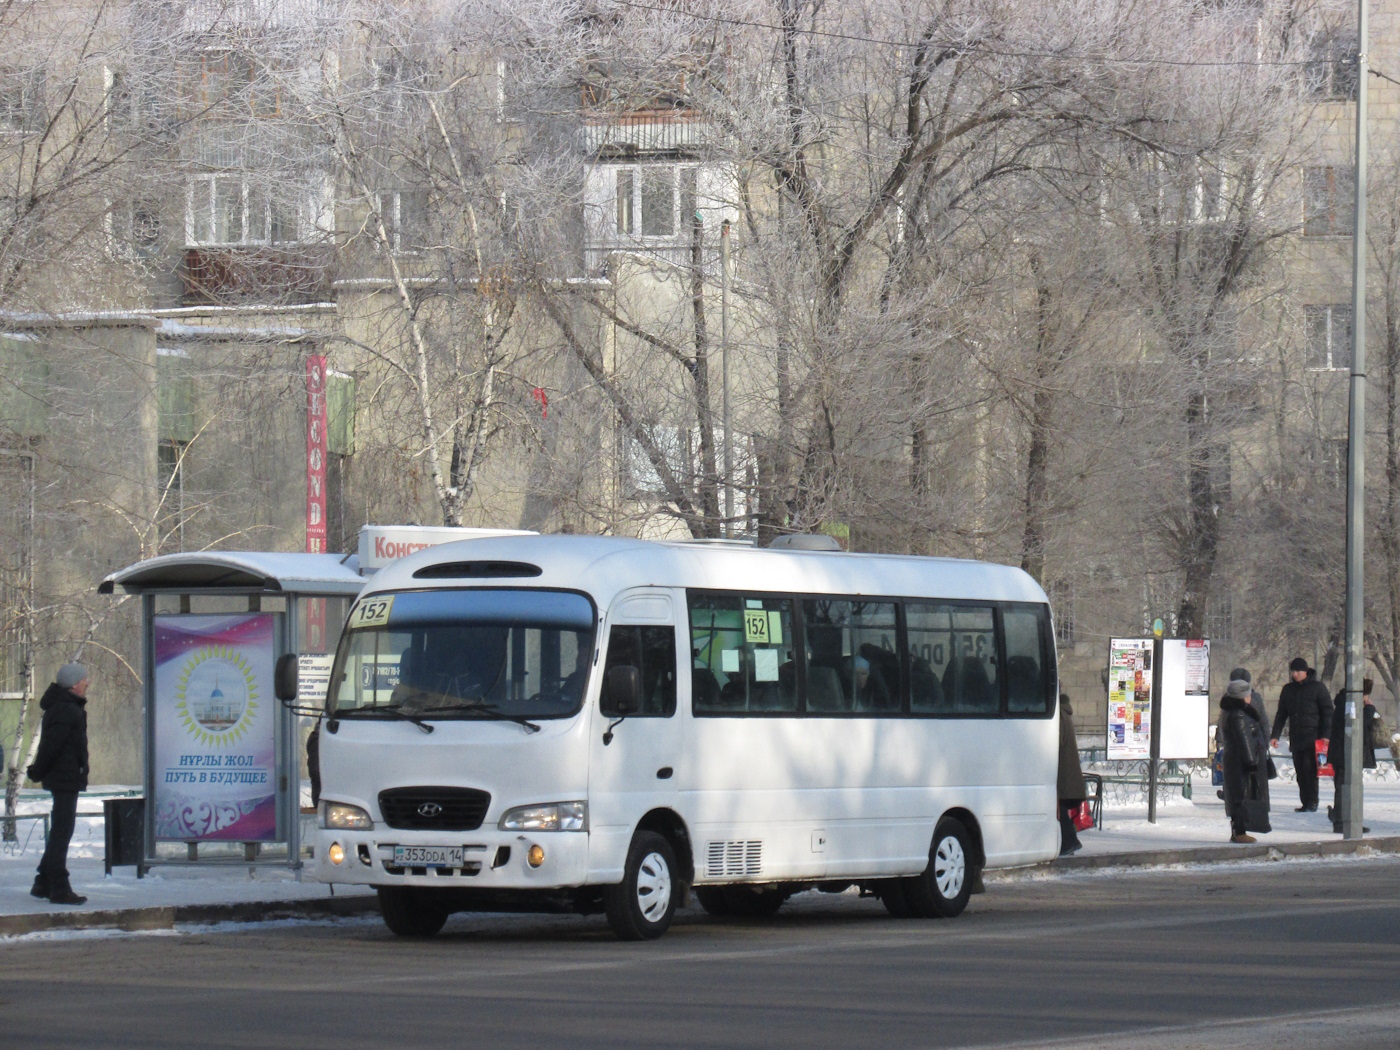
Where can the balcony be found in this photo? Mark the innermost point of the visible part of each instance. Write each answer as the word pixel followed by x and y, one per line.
pixel 265 275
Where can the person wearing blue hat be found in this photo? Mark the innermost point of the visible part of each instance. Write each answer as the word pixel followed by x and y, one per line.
pixel 62 767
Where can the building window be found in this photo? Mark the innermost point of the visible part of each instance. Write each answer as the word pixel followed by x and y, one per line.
pixel 1327 338
pixel 235 210
pixel 1220 619
pixel 170 495
pixel 21 99
pixel 1328 196
pixel 16 569
pixel 218 78
pixel 1061 595
pixel 133 230
pixel 405 217
pixel 1331 65
pixel 654 200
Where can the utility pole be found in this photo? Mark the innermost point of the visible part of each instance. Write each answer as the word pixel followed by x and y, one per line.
pixel 1354 721
pixel 724 368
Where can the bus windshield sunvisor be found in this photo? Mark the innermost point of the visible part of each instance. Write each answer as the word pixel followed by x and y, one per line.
pixel 468 654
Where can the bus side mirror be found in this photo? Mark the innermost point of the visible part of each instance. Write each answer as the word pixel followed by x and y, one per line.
pixel 284 678
pixel 622 691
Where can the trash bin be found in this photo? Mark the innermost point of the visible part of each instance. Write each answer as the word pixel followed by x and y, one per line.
pixel 125 822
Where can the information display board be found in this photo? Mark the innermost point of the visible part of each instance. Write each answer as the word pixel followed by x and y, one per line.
pixel 1185 708
pixel 1129 698
pixel 215 728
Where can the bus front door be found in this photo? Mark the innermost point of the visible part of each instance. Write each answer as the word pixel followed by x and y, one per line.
pixel 634 760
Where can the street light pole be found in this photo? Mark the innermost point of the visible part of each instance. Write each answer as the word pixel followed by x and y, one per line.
pixel 1354 719
pixel 724 366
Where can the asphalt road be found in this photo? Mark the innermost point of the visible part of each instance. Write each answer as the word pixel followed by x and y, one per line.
pixel 1296 954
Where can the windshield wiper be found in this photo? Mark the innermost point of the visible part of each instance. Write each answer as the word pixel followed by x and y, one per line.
pixel 481 704
pixel 393 710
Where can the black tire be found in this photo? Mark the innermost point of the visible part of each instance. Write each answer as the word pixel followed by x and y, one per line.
pixel 641 906
pixel 892 896
pixel 409 912
pixel 941 892
pixel 713 899
pixel 754 902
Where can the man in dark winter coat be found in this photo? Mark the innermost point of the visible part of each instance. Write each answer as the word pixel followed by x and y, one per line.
pixel 1337 748
pixel 1245 762
pixel 1069 781
pixel 62 767
pixel 1305 707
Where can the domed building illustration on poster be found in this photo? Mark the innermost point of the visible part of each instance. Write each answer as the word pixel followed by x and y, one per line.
pixel 216 694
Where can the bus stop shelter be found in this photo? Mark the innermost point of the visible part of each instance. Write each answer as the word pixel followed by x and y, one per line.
pixel 223 758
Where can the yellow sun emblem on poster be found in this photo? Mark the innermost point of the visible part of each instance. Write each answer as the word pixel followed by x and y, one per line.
pixel 216 695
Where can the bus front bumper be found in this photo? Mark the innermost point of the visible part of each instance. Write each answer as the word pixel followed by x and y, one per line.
pixel 506 860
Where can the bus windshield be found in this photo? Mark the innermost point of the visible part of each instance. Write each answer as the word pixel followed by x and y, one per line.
pixel 460 654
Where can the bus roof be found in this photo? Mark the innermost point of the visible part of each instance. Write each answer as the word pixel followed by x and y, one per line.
pixel 603 566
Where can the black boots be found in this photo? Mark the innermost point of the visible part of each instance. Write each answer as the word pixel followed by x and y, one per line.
pixel 65 895
pixel 40 888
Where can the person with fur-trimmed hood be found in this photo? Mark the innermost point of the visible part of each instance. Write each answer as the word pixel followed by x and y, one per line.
pixel 1245 763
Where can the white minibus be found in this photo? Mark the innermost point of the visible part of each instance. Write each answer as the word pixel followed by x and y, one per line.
pixel 598 724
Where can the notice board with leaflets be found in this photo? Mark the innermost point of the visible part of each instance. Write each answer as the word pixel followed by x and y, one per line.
pixel 1129 698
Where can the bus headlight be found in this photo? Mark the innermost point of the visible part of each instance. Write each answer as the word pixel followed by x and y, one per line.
pixel 344 817
pixel 551 816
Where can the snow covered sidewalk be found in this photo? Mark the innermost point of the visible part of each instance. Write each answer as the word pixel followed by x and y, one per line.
pixel 1187 831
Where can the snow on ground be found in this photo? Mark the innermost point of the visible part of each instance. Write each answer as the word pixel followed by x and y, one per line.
pixel 163 887
pixel 1181 824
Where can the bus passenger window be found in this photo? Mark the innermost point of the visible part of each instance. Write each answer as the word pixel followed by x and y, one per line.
pixel 952 654
pixel 742 657
pixel 851 661
pixel 1027 690
pixel 652 651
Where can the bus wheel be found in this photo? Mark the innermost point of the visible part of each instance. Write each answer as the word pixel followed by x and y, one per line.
pixel 713 899
pixel 941 892
pixel 641 906
pixel 892 896
pixel 754 903
pixel 409 913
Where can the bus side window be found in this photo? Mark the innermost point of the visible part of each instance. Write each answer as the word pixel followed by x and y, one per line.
pixel 1027 692
pixel 652 651
pixel 742 660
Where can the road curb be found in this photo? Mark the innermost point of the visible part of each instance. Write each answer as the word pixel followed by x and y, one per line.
pixel 167 917
pixel 1160 858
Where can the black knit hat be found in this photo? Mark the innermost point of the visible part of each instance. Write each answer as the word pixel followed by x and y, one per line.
pixel 1239 674
pixel 1297 664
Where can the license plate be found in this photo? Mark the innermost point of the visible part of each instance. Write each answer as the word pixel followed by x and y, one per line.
pixel 429 856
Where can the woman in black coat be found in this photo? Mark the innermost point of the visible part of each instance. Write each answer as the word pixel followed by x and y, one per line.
pixel 1245 762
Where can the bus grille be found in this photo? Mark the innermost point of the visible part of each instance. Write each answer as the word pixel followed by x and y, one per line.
pixel 434 808
pixel 734 859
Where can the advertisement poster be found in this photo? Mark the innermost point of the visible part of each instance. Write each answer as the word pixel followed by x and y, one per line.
pixel 1129 698
pixel 215 760
pixel 1185 709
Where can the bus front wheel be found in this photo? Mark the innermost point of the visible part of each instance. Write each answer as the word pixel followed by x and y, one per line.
pixel 941 892
pixel 641 906
pixel 409 913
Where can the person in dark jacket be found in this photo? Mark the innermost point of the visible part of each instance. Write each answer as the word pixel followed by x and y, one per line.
pixel 1305 707
pixel 1240 674
pixel 62 766
pixel 1245 762
pixel 1070 784
pixel 1337 748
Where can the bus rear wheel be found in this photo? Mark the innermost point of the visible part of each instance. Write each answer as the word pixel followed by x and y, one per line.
pixel 941 892
pixel 641 906
pixel 409 912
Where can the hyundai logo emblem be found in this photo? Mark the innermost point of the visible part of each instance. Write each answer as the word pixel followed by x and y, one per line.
pixel 430 809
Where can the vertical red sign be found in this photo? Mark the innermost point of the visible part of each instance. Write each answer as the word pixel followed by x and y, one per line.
pixel 315 454
pixel 314 640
